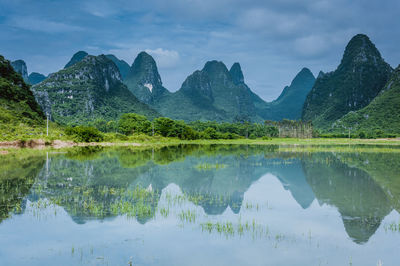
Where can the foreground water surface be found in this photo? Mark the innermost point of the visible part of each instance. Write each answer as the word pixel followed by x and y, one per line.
pixel 201 205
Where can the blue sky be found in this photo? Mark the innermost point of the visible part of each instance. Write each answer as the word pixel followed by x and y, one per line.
pixel 272 39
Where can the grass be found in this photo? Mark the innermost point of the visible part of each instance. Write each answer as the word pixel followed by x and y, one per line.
pixel 22 132
pixel 209 166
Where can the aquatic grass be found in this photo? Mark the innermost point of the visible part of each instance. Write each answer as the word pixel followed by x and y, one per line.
pixel 210 166
pixel 230 229
pixel 164 212
pixel 187 216
pixel 392 227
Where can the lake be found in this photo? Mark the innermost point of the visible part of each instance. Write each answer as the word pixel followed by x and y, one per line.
pixel 201 205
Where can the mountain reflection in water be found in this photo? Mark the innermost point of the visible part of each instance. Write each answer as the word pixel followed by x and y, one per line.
pixel 215 177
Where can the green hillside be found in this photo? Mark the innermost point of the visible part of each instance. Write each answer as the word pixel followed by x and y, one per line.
pixel 17 104
pixel 382 114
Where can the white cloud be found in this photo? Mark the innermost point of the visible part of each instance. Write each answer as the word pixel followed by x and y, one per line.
pixel 164 58
pixel 100 8
pixel 42 25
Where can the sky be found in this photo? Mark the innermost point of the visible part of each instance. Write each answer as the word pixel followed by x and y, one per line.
pixel 271 39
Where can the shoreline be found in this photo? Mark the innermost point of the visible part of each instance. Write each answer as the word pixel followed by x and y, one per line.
pixel 58 144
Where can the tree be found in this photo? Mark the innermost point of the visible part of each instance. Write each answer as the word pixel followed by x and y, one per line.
pixel 134 124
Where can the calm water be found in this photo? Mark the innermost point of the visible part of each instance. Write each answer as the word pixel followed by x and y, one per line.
pixel 201 205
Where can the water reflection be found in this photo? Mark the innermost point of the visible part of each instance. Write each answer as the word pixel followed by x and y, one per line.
pixel 97 183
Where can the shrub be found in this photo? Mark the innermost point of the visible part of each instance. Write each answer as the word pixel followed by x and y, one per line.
pixel 379 133
pixel 211 133
pixel 362 135
pixel 84 134
pixel 130 124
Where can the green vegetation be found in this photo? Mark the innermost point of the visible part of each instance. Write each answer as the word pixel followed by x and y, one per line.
pixel 381 118
pixel 208 166
pixel 20 116
pixel 89 90
pixel 17 104
pixel 134 124
pixel 84 134
pixel 17 175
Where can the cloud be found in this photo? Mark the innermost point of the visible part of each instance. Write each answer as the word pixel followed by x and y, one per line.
pixel 41 25
pixel 100 8
pixel 164 58
pixel 272 39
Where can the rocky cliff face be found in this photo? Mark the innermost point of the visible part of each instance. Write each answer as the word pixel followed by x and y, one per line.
pixel 20 67
pixel 123 66
pixel 358 79
pixel 88 90
pixel 144 81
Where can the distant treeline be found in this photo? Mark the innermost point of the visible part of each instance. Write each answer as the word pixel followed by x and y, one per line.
pixel 135 124
pixel 130 124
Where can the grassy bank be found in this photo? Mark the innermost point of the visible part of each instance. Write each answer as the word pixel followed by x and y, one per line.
pixel 158 141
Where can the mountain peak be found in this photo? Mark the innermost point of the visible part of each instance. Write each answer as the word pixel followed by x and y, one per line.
pixel 35 78
pixel 215 66
pixel 236 73
pixel 358 79
pixel 360 50
pixel 294 96
pixel 20 67
pixel 77 57
pixel 143 80
pixel 144 69
pixel 145 57
pixel 304 76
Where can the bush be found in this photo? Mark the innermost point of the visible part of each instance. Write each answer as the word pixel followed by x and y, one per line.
pixel 84 134
pixel 252 136
pixel 362 135
pixel 130 124
pixel 115 136
pixel 211 133
pixel 379 133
